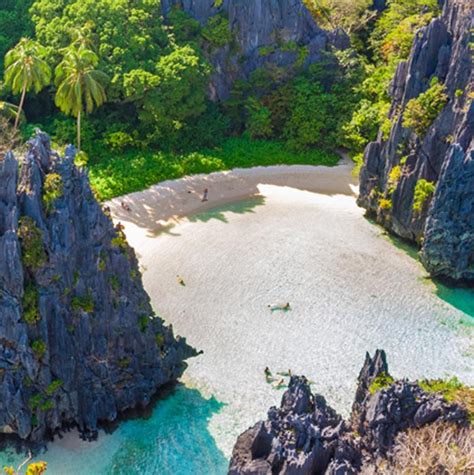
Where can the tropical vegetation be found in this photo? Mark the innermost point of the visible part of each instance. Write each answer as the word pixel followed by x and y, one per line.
pixel 130 88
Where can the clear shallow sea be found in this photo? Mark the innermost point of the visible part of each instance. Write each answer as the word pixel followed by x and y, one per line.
pixel 351 291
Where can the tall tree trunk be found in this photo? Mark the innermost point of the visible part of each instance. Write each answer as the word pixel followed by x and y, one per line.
pixel 79 131
pixel 20 108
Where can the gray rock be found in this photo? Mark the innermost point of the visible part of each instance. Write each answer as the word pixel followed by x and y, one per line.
pixel 306 436
pixel 444 228
pixel 448 249
pixel 104 349
pixel 271 24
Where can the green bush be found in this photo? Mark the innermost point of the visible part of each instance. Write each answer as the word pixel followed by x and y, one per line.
pixel 160 340
pixel 32 247
pixel 35 401
pixel 31 312
pixel 259 120
pixel 39 348
pixel 118 141
pixel 53 387
pixel 385 204
pixel 120 241
pixel 423 192
pixel 452 390
pixel 83 302
pixel 394 178
pixel 382 381
pixel 52 190
pixel 143 322
pixel 217 31
pixel 114 283
pixel 196 163
pixel 184 27
pixel 47 405
pixel 39 402
pixel 124 363
pixel 420 113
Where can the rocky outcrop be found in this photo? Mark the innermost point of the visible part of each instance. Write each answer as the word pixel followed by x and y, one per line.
pixel 79 341
pixel 443 155
pixel 279 33
pixel 305 436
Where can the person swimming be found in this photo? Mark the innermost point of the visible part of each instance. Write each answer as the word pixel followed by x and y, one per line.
pixel 279 384
pixel 281 306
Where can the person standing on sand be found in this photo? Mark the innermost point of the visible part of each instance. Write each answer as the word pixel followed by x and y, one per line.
pixel 204 196
pixel 268 375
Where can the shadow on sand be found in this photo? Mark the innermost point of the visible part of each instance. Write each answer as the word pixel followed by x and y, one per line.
pixel 219 213
pixel 160 207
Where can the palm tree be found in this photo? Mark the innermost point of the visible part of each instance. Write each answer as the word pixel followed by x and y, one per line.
pixel 80 85
pixel 25 69
pixel 8 110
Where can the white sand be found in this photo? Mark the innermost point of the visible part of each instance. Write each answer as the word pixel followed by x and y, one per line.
pixel 300 238
pixel 160 207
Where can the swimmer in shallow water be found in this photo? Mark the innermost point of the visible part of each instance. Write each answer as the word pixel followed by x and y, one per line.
pixel 280 306
pixel 280 384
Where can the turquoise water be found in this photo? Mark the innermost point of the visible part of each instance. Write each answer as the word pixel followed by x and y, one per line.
pixel 173 440
pixel 459 298
pixel 462 299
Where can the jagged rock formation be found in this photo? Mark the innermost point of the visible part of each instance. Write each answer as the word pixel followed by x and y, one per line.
pixel 79 342
pixel 444 155
pixel 265 32
pixel 305 436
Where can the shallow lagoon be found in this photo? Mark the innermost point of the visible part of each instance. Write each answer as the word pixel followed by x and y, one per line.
pixel 351 291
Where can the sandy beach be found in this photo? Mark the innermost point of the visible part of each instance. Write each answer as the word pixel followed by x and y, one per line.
pixel 284 234
pixel 160 207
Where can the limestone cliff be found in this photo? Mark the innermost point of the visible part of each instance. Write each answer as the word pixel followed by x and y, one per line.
pixel 436 164
pixel 280 33
pixel 79 341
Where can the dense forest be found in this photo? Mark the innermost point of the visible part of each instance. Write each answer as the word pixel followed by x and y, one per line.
pixel 129 87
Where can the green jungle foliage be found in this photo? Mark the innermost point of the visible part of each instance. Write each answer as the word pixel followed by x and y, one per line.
pixel 31 312
pixel 423 192
pixel 136 87
pixel 31 240
pixel 421 112
pixel 134 170
pixel 52 190
pixel 39 348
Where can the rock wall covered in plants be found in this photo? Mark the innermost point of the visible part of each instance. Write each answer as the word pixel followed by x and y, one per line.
pixel 244 36
pixel 79 341
pixel 418 177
